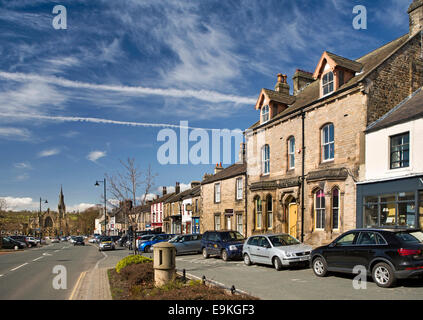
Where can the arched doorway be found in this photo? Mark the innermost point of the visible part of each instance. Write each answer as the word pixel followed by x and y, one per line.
pixel 48 222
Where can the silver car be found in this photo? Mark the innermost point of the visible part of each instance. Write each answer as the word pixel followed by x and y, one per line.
pixel 187 243
pixel 278 250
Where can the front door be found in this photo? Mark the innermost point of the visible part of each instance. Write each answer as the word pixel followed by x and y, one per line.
pixel 228 223
pixel 292 219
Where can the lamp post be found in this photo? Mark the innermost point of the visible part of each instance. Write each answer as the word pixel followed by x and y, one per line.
pixel 39 218
pixel 97 183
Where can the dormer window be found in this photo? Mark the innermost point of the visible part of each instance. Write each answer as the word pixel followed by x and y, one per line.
pixel 328 83
pixel 265 114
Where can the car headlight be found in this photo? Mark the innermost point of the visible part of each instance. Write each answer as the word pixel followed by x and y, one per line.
pixel 287 254
pixel 233 248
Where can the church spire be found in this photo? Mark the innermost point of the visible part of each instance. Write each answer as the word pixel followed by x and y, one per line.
pixel 61 206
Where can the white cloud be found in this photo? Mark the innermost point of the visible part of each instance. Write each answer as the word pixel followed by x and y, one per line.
pixel 22 177
pixel 79 207
pixel 24 203
pixel 205 95
pixel 22 165
pixel 48 152
pixel 95 155
pixel 10 133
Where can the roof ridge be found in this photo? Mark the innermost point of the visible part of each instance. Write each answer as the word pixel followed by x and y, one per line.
pixel 393 109
pixel 380 48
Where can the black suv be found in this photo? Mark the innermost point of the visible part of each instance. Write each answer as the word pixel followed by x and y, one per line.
pixel 387 255
pixel 226 244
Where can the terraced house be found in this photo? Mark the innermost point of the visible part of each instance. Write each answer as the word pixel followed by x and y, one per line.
pixel 306 151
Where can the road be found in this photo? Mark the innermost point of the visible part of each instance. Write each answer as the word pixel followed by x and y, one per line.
pixel 28 274
pixel 292 284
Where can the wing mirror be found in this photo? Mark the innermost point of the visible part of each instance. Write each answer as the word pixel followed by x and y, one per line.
pixel 332 245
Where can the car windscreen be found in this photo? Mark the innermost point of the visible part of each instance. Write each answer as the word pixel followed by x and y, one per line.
pixel 410 237
pixel 79 239
pixel 175 239
pixel 231 236
pixel 106 239
pixel 146 237
pixel 283 240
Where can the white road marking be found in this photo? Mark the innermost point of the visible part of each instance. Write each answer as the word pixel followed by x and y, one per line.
pixel 56 250
pixel 46 254
pixel 19 266
pixel 38 258
pixel 98 262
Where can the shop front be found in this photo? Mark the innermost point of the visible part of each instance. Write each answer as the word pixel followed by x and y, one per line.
pixel 391 204
pixel 176 224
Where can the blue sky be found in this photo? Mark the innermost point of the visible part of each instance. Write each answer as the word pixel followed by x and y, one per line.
pixel 155 62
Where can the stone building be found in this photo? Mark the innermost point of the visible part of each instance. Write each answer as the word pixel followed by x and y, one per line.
pixel 51 223
pixel 223 195
pixel 159 220
pixel 306 152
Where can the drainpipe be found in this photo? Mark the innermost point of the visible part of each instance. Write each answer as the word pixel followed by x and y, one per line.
pixel 246 205
pixel 302 174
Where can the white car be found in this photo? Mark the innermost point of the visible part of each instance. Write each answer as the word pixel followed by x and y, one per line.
pixel 92 240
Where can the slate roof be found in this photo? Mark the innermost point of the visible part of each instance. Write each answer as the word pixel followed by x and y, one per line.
pixel 369 62
pixel 410 108
pixel 229 172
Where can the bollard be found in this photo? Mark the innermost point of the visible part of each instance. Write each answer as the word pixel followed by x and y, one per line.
pixel 164 255
pixel 184 278
pixel 233 289
pixel 203 279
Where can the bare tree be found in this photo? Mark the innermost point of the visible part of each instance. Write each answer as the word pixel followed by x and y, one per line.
pixel 126 185
pixel 3 204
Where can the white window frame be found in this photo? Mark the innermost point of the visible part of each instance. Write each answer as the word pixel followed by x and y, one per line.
pixel 265 162
pixel 217 222
pixel 259 222
pixel 269 214
pixel 328 142
pixel 328 83
pixel 239 189
pixel 217 193
pixel 336 208
pixel 322 209
pixel 265 114
pixel 239 223
pixel 291 153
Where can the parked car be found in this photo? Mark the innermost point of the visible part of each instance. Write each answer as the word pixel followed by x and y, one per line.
pixel 279 250
pixel 115 238
pixel 79 241
pixel 32 242
pixel 226 244
pixel 122 240
pixel 187 243
pixel 9 243
pixel 92 240
pixel 63 239
pixel 146 246
pixel 387 255
pixel 55 240
pixel 106 243
pixel 143 239
pixel 20 239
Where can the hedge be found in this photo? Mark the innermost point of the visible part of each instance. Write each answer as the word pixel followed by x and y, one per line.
pixel 132 259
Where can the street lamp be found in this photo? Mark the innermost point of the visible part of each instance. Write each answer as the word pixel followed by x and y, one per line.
pixel 39 218
pixel 97 183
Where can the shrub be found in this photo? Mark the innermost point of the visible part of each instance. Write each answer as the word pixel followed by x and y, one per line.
pixel 133 259
pixel 137 274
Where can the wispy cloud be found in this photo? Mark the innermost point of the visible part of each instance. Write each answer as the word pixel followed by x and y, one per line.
pixel 95 155
pixel 204 95
pixel 48 153
pixel 22 165
pixel 10 133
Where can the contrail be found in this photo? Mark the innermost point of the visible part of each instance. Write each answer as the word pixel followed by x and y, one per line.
pixel 204 95
pixel 99 120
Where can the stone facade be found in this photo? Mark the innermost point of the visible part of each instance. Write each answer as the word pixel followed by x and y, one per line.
pixel 224 213
pixel 388 75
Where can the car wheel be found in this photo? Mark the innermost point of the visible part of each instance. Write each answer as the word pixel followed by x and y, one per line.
pixel 383 275
pixel 224 255
pixel 277 263
pixel 320 268
pixel 205 254
pixel 247 259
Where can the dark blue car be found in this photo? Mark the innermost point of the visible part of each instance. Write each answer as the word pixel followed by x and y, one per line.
pixel 146 246
pixel 226 244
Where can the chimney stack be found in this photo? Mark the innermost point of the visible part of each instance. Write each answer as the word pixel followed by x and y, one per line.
pixel 195 184
pixel 241 155
pixel 218 168
pixel 301 80
pixel 415 11
pixel 282 86
pixel 164 190
pixel 177 188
